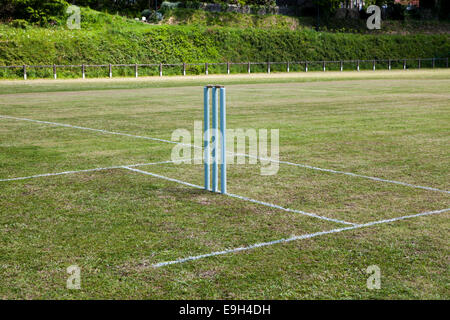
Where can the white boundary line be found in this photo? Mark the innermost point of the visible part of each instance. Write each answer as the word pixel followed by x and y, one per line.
pixel 243 198
pixel 294 238
pixel 86 170
pixel 271 160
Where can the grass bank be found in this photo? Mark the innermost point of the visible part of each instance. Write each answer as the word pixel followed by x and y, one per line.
pixel 106 39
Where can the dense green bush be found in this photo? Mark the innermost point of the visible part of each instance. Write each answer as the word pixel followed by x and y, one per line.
pixel 106 38
pixel 42 12
pixel 20 23
pixel 135 7
pixel 175 44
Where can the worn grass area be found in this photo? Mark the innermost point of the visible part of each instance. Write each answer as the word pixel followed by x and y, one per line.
pixel 115 224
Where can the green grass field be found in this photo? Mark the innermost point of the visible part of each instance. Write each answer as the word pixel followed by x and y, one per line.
pixel 117 225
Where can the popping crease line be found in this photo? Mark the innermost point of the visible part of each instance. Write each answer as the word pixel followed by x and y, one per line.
pixel 301 237
pixel 236 154
pixel 88 129
pixel 351 174
pixel 88 170
pixel 244 198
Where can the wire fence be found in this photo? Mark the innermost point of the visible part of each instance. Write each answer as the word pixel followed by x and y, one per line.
pixel 159 69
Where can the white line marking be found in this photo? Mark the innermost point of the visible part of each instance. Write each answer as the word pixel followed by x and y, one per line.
pixel 163 177
pixel 307 236
pixel 272 160
pixel 301 237
pixel 131 167
pixel 353 175
pixel 57 174
pixel 289 210
pixel 244 198
pixel 86 170
pixel 89 129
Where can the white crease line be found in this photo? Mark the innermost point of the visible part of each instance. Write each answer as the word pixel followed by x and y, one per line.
pixel 57 174
pixel 301 237
pixel 289 210
pixel 163 177
pixel 86 170
pixel 352 174
pixel 236 154
pixel 244 198
pixel 89 129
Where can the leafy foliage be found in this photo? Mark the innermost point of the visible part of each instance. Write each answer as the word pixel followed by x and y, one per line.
pixel 124 41
pixel 42 12
pixel 106 38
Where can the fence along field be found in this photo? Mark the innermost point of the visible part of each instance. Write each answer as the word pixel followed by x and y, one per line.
pixel 135 70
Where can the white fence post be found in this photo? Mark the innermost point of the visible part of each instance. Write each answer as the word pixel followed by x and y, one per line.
pixel 228 64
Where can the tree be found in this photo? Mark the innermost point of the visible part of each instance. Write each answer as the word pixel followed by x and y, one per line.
pixel 444 9
pixel 429 4
pixel 325 9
